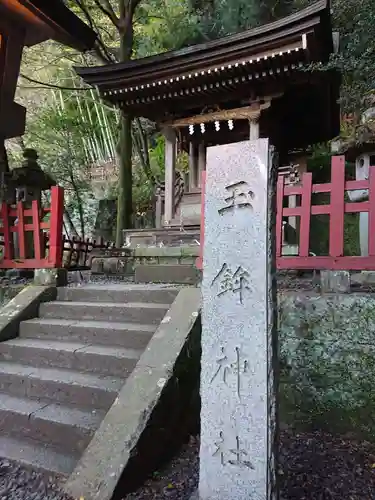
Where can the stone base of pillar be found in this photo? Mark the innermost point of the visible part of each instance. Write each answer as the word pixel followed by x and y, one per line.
pixel 51 277
pixel 335 281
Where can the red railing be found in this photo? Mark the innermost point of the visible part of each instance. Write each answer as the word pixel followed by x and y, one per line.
pixel 31 221
pixel 335 209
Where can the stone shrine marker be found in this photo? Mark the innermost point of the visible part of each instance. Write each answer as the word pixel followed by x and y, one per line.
pixel 239 342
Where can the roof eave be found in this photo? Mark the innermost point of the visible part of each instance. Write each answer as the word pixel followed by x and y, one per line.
pixel 278 29
pixel 52 20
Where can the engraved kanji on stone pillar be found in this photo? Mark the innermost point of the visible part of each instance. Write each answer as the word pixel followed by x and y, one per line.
pixel 238 454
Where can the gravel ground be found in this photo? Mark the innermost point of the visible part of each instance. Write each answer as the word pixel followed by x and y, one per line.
pixel 177 481
pixel 313 466
pixel 17 483
pixel 319 466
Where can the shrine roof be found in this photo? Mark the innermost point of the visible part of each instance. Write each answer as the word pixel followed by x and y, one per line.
pixel 267 53
pixel 48 19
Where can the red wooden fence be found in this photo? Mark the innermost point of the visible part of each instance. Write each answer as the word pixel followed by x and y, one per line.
pixel 336 210
pixel 31 220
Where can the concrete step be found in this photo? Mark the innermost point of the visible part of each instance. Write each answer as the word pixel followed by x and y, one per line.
pixel 117 294
pixel 130 312
pixel 191 225
pixel 57 385
pixel 192 198
pixel 39 457
pixel 67 429
pixel 81 357
pixel 126 335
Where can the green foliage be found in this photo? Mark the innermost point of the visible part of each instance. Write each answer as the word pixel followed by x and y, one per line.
pixel 355 22
pixel 165 25
pixel 157 157
pixel 223 17
pixel 58 139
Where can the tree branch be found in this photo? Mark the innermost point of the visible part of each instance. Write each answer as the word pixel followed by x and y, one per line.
pixel 122 9
pixel 142 150
pixel 51 85
pixel 107 11
pixel 144 141
pixel 100 49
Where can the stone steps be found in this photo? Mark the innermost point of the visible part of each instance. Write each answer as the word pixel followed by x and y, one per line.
pixel 66 428
pixel 64 371
pixel 82 357
pixel 42 458
pixel 63 386
pixel 191 226
pixel 169 236
pixel 115 293
pixel 127 335
pixel 101 311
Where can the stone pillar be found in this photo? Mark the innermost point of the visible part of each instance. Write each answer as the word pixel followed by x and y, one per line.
pixel 201 161
pixel 170 165
pixel 239 334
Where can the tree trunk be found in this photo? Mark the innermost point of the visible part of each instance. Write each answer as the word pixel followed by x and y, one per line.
pixel 125 187
pixel 69 224
pixel 125 183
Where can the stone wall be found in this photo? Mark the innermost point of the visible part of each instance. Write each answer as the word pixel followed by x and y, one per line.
pixel 327 349
pixel 125 260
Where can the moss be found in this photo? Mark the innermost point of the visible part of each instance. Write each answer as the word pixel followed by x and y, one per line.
pixel 8 292
pixel 328 362
pixel 319 231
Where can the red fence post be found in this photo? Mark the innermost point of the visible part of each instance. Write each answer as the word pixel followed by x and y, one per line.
pixel 6 232
pixel 21 231
pixel 371 213
pixel 336 222
pixel 36 230
pixel 56 227
pixel 279 214
pixel 304 235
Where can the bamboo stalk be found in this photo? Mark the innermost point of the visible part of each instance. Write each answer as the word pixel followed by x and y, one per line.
pixel 104 138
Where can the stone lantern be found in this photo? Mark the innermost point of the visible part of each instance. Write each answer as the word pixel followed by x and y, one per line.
pixel 30 180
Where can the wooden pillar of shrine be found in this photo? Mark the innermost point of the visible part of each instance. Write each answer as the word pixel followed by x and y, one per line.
pixel 201 162
pixel 193 167
pixel 170 174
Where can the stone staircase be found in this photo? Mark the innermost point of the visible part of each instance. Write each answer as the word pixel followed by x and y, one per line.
pixel 61 375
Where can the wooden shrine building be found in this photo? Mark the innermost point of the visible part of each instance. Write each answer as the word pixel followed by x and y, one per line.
pixel 26 23
pixel 248 85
